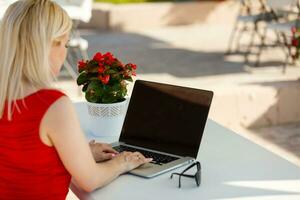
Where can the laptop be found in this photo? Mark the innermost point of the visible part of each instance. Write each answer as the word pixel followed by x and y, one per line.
pixel 164 122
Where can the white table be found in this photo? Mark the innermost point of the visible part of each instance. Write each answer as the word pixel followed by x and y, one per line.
pixel 232 168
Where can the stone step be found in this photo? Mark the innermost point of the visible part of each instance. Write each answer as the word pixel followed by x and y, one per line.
pixel 257 104
pixel 139 16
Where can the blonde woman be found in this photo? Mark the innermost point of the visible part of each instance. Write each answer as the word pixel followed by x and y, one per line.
pixel 41 143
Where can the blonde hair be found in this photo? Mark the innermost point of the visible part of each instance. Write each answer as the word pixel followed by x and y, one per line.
pixel 27 31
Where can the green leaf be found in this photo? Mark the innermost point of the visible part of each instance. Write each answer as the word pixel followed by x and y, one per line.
pixel 84 88
pixel 96 87
pixel 92 66
pixel 82 78
pixel 93 78
pixel 129 79
pixel 81 70
pixel 111 71
pixel 117 86
pixel 123 92
pixel 94 91
pixel 91 97
pixel 109 98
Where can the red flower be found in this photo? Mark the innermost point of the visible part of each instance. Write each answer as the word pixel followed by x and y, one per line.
pixel 133 66
pixel 295 42
pixel 98 57
pixel 293 29
pixel 108 56
pixel 126 75
pixel 133 73
pixel 121 64
pixel 81 64
pixel 104 79
pixel 109 62
pixel 101 69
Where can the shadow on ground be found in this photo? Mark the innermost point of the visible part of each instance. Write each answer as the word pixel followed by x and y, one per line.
pixel 157 57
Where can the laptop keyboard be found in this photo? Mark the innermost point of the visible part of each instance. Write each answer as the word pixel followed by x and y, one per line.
pixel 157 158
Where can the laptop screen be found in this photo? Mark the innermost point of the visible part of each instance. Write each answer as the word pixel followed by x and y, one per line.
pixel 166 118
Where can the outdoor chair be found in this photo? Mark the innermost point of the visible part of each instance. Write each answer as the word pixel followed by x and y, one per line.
pixel 285 16
pixel 78 10
pixel 251 13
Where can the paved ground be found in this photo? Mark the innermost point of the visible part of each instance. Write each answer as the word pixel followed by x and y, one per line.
pixel 286 136
pixel 194 56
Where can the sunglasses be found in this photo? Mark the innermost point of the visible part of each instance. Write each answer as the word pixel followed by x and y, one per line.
pixel 196 176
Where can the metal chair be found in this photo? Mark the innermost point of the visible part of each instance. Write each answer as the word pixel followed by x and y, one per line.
pixel 77 50
pixel 248 18
pixel 281 25
pixel 78 10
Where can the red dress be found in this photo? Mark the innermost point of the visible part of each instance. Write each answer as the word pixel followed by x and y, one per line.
pixel 29 169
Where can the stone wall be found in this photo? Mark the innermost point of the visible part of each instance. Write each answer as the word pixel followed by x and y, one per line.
pixel 126 17
pixel 258 105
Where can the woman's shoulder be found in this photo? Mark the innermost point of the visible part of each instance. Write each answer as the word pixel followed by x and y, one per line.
pixel 55 104
pixel 58 112
pixel 42 92
pixel 50 91
pixel 45 96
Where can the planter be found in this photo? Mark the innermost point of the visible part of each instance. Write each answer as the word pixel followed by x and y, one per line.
pixel 106 119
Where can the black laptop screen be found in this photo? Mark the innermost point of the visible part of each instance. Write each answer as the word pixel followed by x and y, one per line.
pixel 166 118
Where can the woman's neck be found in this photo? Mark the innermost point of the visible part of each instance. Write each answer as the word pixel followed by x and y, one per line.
pixel 28 89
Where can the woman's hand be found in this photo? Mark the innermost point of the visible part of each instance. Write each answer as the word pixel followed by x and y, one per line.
pixel 101 151
pixel 129 160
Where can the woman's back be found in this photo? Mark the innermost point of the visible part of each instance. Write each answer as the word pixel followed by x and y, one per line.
pixel 29 169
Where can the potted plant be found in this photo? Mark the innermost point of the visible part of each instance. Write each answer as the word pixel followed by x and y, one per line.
pixel 104 82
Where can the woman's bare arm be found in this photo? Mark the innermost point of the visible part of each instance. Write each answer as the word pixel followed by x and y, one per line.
pixel 63 129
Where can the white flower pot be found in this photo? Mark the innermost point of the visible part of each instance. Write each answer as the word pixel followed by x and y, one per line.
pixel 106 119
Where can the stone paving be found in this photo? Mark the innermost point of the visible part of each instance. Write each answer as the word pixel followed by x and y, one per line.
pixel 285 136
pixel 194 56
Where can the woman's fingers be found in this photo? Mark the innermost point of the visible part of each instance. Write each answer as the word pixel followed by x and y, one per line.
pixel 142 159
pixel 138 155
pixel 132 160
pixel 102 147
pixel 138 158
pixel 108 148
pixel 107 156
